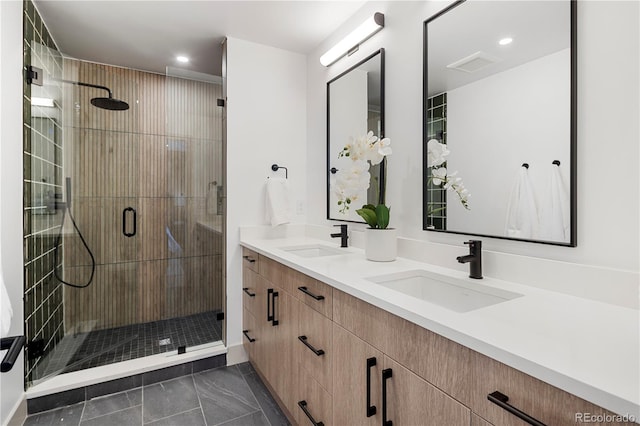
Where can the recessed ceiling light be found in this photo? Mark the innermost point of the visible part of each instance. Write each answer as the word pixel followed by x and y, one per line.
pixel 182 59
pixel 505 41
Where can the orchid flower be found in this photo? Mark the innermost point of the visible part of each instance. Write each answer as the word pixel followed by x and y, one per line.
pixel 436 153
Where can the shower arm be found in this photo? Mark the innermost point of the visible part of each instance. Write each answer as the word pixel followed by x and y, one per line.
pixel 95 86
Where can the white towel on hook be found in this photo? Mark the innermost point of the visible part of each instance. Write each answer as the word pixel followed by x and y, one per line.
pixel 554 217
pixel 522 214
pixel 6 311
pixel 278 205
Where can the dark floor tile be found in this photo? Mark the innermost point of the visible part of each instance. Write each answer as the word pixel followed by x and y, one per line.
pixel 246 368
pixel 114 386
pixel 168 373
pixel 267 403
pixel 224 395
pixel 129 417
pixel 58 400
pixel 253 419
pixel 188 418
pixel 62 416
pixel 209 363
pixel 100 406
pixel 168 398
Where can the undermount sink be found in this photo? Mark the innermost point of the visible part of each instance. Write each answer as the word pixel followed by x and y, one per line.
pixel 449 292
pixel 313 250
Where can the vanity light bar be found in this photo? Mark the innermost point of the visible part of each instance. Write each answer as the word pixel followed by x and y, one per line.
pixel 357 36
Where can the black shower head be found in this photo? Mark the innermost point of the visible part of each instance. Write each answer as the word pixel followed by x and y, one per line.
pixel 110 104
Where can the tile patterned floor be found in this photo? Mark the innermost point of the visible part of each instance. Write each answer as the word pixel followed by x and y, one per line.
pixel 229 396
pixel 102 347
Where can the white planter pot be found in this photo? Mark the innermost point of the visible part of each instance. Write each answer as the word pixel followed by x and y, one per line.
pixel 381 245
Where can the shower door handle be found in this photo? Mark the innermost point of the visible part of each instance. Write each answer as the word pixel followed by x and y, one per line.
pixel 124 221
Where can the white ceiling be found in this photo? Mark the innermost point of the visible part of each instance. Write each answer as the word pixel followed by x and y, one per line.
pixel 147 35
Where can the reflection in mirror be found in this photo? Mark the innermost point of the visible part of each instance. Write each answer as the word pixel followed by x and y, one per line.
pixel 355 106
pixel 499 92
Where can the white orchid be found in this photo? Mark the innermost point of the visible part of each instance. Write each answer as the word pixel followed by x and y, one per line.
pixel 439 176
pixel 436 153
pixel 350 182
pixel 363 151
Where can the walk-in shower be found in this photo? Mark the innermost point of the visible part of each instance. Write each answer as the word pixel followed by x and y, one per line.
pixel 118 203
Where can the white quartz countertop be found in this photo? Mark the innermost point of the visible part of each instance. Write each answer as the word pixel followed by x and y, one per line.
pixel 585 347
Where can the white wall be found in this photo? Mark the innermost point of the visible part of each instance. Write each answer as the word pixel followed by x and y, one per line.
pixel 501 118
pixel 266 124
pixel 608 130
pixel 12 382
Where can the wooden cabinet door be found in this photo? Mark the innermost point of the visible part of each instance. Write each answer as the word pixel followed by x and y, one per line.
pixel 411 400
pixel 280 350
pixel 350 372
pixel 256 306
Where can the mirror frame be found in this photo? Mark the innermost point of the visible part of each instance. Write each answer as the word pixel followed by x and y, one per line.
pixel 573 145
pixel 383 167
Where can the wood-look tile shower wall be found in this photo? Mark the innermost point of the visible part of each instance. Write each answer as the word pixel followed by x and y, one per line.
pixel 161 157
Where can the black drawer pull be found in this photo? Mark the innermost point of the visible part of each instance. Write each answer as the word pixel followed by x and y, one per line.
pixel 308 293
pixel 303 339
pixel 501 400
pixel 249 259
pixel 303 405
pixel 274 321
pixel 246 290
pixel 371 409
pixel 246 334
pixel 386 374
pixel 269 297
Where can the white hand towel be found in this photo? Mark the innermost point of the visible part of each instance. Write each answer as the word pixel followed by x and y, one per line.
pixel 277 206
pixel 555 218
pixel 522 214
pixel 6 312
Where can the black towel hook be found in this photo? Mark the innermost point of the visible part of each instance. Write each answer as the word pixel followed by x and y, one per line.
pixel 556 162
pixel 275 168
pixel 525 165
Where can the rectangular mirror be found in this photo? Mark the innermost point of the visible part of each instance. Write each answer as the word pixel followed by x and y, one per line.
pixel 500 120
pixel 355 106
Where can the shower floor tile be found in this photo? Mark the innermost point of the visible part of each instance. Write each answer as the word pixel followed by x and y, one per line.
pixel 102 347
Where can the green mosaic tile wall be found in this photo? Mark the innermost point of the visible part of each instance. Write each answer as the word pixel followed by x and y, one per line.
pixel 42 164
pixel 437 129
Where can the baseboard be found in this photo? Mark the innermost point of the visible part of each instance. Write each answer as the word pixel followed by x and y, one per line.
pixel 236 354
pixel 18 413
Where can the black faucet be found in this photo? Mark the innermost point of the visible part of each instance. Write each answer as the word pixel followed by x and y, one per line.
pixel 474 258
pixel 343 235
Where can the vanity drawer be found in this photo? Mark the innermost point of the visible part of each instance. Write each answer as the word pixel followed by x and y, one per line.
pixel 546 403
pixel 314 399
pixel 249 333
pixel 315 346
pixel 251 290
pixel 313 293
pixel 366 321
pixel 250 259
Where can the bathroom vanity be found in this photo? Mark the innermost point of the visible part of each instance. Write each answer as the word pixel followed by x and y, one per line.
pixel 338 345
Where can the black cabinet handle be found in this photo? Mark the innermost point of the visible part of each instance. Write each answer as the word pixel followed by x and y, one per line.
pixel 303 339
pixel 308 293
pixel 249 259
pixel 246 334
pixel 371 409
pixel 274 321
pixel 246 290
pixel 269 298
pixel 124 221
pixel 386 374
pixel 303 405
pixel 501 400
